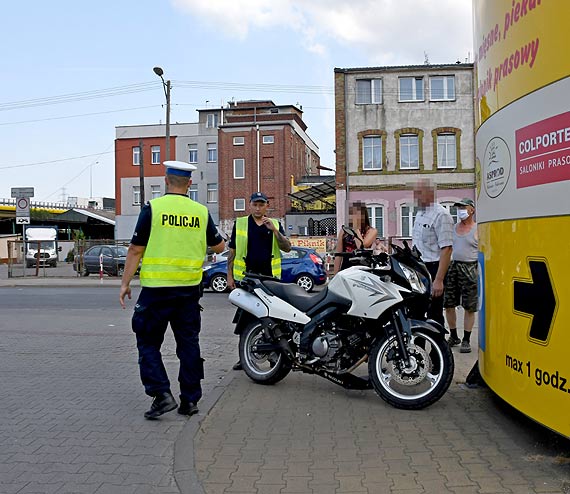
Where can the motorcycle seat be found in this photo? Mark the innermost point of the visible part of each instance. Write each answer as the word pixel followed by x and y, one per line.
pixel 294 294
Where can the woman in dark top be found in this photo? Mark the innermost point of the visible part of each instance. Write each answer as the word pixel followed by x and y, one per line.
pixel 366 234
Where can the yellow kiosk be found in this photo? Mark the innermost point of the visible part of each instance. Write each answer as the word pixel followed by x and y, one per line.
pixel 522 70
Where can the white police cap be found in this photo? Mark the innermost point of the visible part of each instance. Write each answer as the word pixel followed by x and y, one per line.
pixel 180 168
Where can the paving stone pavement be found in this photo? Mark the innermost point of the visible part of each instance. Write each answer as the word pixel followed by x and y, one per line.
pixel 306 435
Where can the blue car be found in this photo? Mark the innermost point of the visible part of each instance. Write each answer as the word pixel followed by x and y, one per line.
pixel 302 266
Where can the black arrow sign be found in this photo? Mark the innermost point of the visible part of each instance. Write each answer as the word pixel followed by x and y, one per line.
pixel 536 297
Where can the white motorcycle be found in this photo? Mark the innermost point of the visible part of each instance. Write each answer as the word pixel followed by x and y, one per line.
pixel 372 312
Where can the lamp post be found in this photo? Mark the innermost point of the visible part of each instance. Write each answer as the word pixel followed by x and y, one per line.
pixel 166 86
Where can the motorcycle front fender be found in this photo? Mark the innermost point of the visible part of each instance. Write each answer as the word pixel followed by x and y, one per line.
pixel 429 326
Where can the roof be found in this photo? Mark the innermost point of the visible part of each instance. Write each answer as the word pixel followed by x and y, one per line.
pixel 435 66
pixel 316 193
pixel 82 215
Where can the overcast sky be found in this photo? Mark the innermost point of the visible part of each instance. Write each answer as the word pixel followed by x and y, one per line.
pixel 72 70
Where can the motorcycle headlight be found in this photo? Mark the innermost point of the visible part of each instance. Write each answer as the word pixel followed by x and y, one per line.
pixel 414 280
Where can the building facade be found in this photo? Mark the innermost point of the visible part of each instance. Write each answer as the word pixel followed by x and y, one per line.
pixel 196 143
pixel 261 146
pixel 395 125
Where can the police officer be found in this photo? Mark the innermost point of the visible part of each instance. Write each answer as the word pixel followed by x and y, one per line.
pixel 256 244
pixel 171 237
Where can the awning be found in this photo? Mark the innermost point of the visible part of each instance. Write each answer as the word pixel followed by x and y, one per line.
pixel 316 193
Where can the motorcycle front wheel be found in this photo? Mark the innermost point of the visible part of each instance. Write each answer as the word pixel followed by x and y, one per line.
pixel 417 384
pixel 261 367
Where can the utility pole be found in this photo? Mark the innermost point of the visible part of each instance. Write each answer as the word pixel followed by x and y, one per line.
pixel 141 173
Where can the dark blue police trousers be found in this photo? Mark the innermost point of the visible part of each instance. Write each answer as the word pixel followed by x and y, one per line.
pixel 155 308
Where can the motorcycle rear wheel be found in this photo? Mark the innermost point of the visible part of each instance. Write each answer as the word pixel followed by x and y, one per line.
pixel 263 368
pixel 418 385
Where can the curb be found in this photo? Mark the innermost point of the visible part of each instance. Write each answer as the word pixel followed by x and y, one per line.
pixel 184 468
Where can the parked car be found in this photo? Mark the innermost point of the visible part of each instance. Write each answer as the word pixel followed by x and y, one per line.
pixel 113 257
pixel 302 266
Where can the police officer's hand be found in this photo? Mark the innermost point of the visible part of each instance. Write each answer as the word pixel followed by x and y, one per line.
pixel 231 282
pixel 125 290
pixel 269 224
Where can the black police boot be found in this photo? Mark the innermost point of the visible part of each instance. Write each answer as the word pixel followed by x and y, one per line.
pixel 237 366
pixel 162 403
pixel 187 407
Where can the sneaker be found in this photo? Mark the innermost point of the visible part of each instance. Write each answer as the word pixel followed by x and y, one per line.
pixel 187 408
pixel 162 403
pixel 465 347
pixel 453 341
pixel 237 366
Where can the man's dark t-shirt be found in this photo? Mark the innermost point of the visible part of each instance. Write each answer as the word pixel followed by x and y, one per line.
pixel 259 247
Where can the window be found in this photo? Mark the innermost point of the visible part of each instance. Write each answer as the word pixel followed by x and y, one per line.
pixel 408 217
pixel 136 195
pixel 155 155
pixel 442 88
pixel 268 139
pixel 155 191
pixel 372 153
pixel 239 204
pixel 136 156
pixel 411 88
pixel 239 141
pixel 212 153
pixel 409 152
pixel 193 192
pixel 239 168
pixel 193 153
pixel 446 152
pixel 212 193
pixel 212 120
pixel 368 91
pixel 376 215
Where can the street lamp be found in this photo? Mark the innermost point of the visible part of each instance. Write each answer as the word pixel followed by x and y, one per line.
pixel 166 86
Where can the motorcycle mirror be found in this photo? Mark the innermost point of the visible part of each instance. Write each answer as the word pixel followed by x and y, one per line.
pixel 348 230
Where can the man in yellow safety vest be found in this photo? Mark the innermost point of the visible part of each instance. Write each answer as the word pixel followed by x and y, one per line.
pixel 256 244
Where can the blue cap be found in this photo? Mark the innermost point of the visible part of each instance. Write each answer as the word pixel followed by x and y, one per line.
pixel 180 168
pixel 258 196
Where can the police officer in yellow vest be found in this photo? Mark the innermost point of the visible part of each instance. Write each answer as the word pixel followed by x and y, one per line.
pixel 171 237
pixel 256 244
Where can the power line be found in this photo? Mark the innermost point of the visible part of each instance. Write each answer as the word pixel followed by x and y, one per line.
pixel 79 115
pixel 86 95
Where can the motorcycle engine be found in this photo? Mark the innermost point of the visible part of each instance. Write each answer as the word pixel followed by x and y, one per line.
pixel 326 346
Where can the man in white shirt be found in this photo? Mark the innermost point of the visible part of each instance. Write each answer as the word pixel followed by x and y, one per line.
pixel 433 236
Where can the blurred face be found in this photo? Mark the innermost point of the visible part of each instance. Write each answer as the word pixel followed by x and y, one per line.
pixel 354 217
pixel 258 209
pixel 424 194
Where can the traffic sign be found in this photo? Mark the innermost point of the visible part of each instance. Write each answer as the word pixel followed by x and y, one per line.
pixel 23 211
pixel 22 191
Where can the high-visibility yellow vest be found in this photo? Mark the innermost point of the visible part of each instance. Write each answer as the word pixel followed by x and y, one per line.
pixel 177 244
pixel 241 250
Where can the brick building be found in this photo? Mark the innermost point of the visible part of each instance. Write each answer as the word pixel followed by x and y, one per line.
pixel 261 145
pixel 193 142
